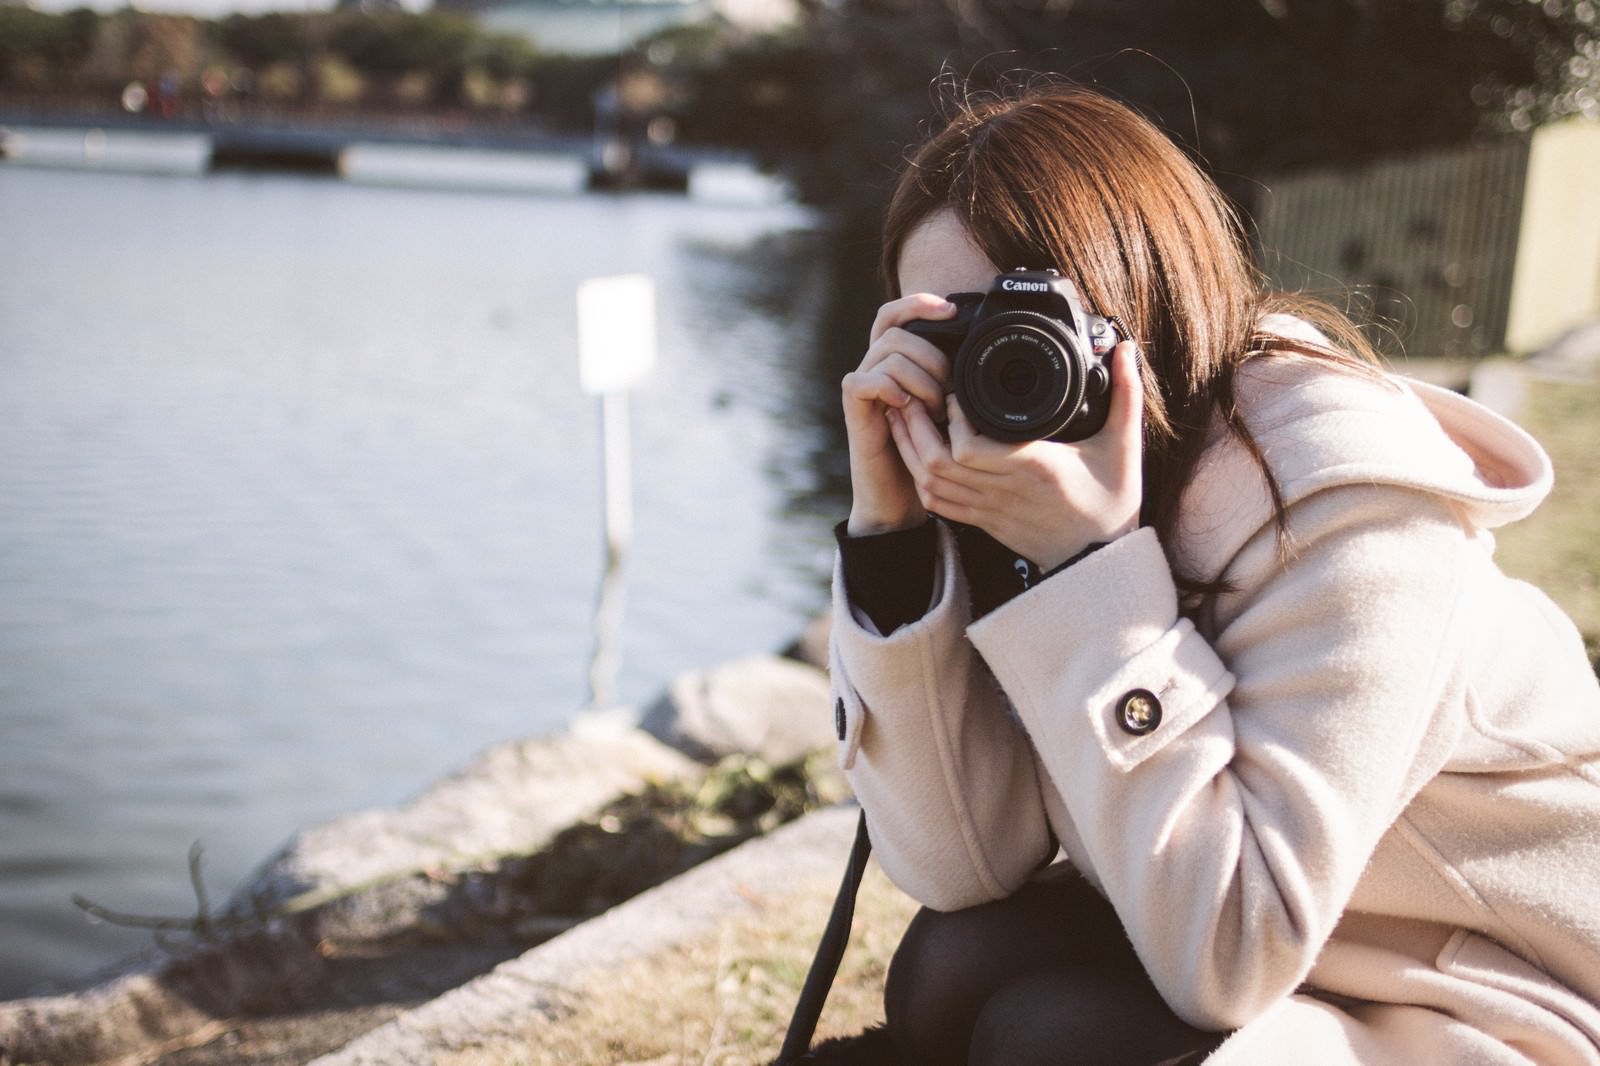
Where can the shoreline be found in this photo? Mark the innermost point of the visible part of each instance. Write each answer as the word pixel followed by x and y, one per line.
pixel 361 919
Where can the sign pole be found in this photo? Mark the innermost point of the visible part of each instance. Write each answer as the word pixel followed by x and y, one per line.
pixel 616 457
pixel 616 342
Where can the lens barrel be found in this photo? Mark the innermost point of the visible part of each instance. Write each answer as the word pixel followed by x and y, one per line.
pixel 1019 377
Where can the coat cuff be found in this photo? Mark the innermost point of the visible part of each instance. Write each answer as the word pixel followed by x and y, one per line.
pixel 1100 649
pixel 864 658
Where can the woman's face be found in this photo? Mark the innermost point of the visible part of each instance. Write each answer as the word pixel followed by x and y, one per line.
pixel 939 257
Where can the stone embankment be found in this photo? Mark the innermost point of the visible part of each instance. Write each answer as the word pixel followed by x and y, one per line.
pixel 395 936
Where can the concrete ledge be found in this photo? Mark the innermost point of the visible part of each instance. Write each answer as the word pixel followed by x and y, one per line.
pixel 509 801
pixel 506 1004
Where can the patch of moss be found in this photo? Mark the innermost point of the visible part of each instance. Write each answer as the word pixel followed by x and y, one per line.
pixel 646 838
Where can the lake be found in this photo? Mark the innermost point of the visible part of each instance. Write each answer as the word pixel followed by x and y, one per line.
pixel 300 499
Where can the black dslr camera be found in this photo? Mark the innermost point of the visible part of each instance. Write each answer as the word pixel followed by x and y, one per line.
pixel 1027 362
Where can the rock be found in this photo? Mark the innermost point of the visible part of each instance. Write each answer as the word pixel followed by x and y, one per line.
pixel 1574 356
pixel 369 870
pixel 811 646
pixel 768 706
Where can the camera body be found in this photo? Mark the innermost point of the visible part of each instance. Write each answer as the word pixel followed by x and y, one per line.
pixel 1027 362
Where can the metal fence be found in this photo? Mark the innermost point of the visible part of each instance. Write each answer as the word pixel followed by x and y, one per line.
pixel 1420 249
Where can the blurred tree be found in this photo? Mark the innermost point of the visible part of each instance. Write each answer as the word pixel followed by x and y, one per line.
pixel 504 56
pixel 1253 85
pixel 565 89
pixel 261 41
pixel 1543 57
pixel 387 46
pixel 482 63
pixel 40 50
pixel 165 51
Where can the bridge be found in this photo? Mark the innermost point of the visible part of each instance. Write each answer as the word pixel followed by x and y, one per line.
pixel 315 142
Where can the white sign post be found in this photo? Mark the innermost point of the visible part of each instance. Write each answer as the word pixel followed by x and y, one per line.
pixel 616 351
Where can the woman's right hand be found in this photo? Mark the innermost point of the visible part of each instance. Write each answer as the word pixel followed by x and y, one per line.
pixel 900 369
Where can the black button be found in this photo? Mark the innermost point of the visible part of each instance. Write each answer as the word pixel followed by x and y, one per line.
pixel 1139 712
pixel 1097 380
pixel 838 717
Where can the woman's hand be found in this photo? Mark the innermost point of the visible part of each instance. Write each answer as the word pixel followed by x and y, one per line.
pixel 901 372
pixel 1045 500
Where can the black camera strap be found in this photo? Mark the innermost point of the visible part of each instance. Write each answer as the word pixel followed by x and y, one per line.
pixel 824 967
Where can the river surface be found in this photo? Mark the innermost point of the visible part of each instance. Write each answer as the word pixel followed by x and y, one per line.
pixel 300 499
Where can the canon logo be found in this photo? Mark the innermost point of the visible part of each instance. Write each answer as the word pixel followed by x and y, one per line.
pixel 1010 285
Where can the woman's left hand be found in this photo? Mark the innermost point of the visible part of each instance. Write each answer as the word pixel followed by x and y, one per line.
pixel 1045 500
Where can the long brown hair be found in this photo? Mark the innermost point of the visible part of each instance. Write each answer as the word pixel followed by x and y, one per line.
pixel 1061 177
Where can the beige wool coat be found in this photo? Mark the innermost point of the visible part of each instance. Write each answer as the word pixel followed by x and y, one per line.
pixel 1349 808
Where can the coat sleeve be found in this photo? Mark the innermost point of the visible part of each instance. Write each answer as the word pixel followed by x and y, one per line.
pixel 1229 794
pixel 940 764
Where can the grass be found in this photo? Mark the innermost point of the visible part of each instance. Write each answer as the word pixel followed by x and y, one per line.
pixel 1558 546
pixel 723 999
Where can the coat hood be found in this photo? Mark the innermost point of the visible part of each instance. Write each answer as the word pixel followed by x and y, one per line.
pixel 1321 425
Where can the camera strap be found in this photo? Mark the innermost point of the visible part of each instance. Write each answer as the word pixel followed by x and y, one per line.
pixel 825 966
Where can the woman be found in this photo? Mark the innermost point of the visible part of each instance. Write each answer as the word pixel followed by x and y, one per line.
pixel 1217 734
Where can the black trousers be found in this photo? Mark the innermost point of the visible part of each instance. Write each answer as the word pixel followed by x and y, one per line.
pixel 1045 976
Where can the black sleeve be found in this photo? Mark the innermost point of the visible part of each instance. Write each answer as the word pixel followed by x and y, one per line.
pixel 890 575
pixel 996 574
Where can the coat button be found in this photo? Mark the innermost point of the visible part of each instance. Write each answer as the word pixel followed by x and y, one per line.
pixel 838 717
pixel 1139 712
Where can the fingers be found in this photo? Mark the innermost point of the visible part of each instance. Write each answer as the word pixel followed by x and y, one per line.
pixel 1044 499
pixel 944 486
pixel 895 377
pixel 899 366
pixel 971 448
pixel 922 305
pixel 1125 419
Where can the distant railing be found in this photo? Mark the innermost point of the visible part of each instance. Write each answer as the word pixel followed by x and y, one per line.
pixel 274 136
pixel 425 125
pixel 1426 245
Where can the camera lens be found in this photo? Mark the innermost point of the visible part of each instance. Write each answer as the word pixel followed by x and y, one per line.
pixel 1019 379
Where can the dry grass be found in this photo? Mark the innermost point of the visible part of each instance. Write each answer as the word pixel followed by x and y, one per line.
pixel 721 1000
pixel 1558 547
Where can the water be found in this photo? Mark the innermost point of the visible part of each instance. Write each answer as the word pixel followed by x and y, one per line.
pixel 300 507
